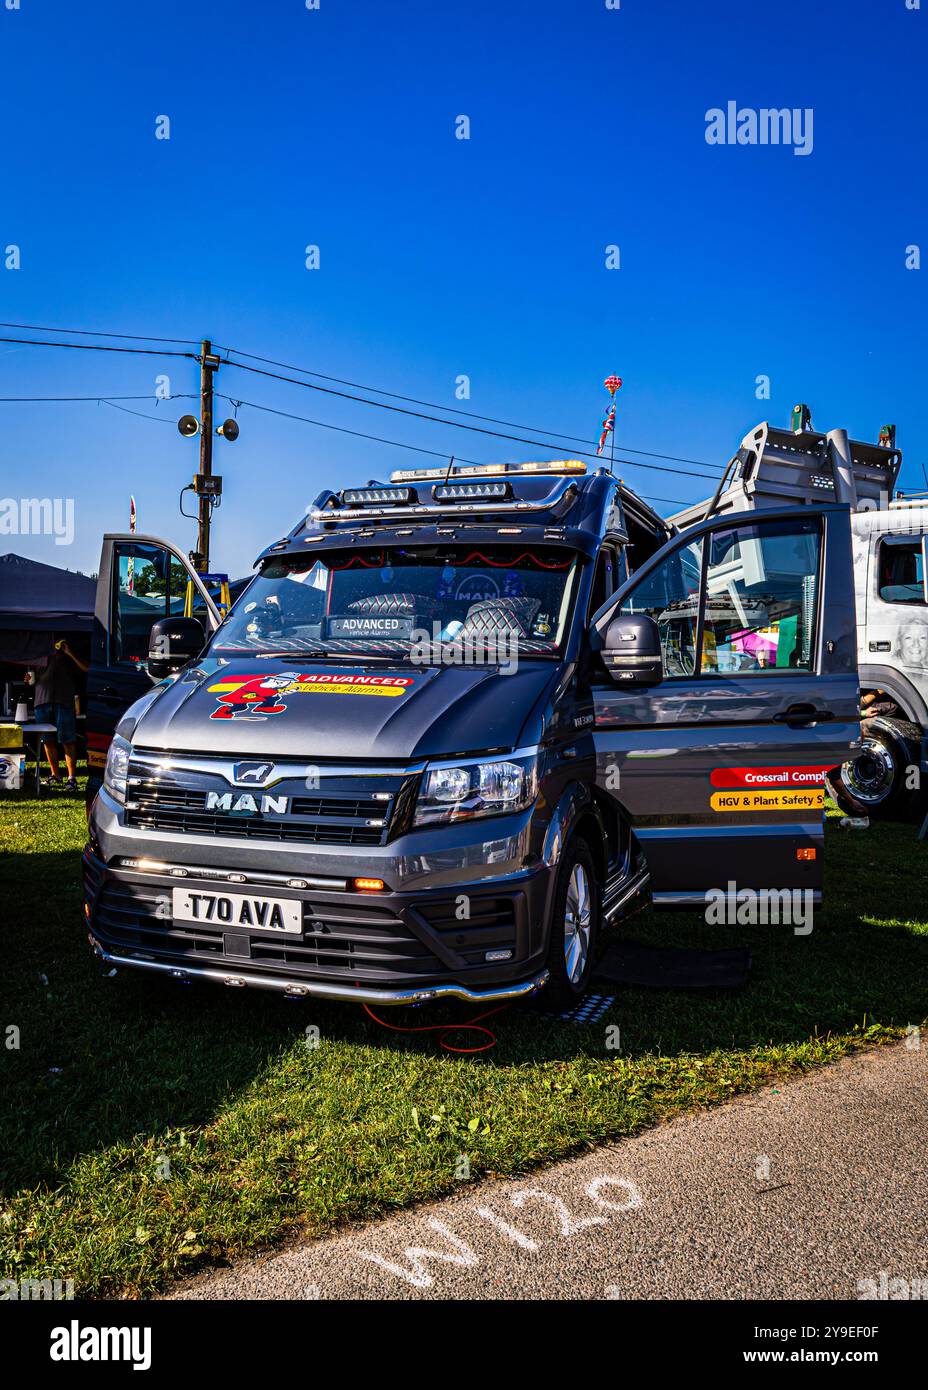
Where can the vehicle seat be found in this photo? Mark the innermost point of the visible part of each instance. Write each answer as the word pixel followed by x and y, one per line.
pixel 512 616
pixel 396 605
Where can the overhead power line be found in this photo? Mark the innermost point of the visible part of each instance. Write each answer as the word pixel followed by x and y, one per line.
pixel 90 333
pixel 448 409
pixel 340 381
pixel 98 347
pixel 176 396
pixel 116 400
pixel 396 443
pixel 113 401
pixel 140 414
pixel 454 424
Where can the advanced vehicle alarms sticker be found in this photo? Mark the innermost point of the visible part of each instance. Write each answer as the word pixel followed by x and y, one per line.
pixel 258 697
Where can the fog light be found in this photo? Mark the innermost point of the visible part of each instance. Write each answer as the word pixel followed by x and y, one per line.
pixel 498 955
pixel 368 885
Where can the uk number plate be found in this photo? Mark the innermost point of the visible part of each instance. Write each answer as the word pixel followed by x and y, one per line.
pixel 239 910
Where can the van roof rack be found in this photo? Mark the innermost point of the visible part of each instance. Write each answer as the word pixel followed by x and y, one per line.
pixel 775 466
pixel 427 494
pixel 486 470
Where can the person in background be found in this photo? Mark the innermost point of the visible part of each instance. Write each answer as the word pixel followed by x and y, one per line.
pixel 55 689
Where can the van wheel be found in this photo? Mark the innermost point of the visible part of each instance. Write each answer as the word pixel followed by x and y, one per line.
pixel 574 926
pixel 874 783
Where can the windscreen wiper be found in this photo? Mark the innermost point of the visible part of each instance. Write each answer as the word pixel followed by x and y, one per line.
pixel 318 653
pixel 289 651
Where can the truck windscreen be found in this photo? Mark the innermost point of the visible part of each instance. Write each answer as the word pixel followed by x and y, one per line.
pixel 390 602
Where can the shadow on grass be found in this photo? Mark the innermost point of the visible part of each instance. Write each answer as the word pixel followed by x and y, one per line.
pixel 103 1060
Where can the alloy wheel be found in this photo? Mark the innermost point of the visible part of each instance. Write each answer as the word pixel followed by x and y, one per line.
pixel 577 924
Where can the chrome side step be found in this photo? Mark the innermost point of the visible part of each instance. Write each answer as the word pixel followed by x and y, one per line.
pixel 319 989
pixel 621 889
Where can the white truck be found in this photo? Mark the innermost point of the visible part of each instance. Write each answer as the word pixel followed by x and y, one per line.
pixel 890 546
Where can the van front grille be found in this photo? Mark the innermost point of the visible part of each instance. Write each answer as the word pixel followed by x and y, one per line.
pixel 357 810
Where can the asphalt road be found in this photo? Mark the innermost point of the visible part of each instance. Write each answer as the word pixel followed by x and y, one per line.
pixel 801 1191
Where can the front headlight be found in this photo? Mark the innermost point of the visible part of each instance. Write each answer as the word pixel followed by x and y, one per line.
pixel 117 768
pixel 463 790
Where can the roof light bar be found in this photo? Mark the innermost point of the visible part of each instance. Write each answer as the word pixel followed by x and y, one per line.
pixel 466 492
pixel 482 470
pixel 370 496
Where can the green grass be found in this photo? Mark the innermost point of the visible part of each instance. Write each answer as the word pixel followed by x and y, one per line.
pixel 148 1128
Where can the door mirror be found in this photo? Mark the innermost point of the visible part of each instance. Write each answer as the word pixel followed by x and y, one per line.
pixel 173 643
pixel 632 652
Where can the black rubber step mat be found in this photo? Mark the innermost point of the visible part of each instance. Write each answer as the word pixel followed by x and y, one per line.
pixel 591 1009
pixel 669 967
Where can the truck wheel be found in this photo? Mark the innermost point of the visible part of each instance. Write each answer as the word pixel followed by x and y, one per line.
pixel 875 781
pixel 574 926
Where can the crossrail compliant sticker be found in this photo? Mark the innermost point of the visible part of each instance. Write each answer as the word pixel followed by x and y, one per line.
pixel 768 776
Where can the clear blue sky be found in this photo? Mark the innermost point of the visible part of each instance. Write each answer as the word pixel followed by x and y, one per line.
pixel 442 257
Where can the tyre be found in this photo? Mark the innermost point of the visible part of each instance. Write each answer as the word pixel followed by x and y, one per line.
pixel 875 782
pixel 574 926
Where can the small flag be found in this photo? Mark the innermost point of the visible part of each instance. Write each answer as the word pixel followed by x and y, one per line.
pixel 608 427
pixel 130 565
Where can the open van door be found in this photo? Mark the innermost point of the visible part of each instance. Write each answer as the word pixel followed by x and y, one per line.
pixel 731 686
pixel 142 579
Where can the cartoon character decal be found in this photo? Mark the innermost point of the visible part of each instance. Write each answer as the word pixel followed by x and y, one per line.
pixel 256 697
pixel 253 697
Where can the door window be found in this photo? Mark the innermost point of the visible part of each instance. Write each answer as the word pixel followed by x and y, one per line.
pixel 761 598
pixel 670 595
pixel 150 583
pixel 901 570
pixel 753 611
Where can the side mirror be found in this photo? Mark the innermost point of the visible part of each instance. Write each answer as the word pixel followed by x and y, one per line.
pixel 632 650
pixel 173 643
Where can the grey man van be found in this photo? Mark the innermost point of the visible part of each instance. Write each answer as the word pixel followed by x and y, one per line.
pixel 454 724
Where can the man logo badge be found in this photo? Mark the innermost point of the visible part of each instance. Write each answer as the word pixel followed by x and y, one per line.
pixel 254 774
pixel 246 804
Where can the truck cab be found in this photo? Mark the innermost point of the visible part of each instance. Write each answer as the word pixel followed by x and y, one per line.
pixel 889 539
pixel 455 724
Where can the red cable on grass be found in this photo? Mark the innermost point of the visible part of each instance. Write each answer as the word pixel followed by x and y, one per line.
pixel 472 1025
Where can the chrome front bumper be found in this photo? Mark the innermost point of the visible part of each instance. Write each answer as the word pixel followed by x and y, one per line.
pixel 297 989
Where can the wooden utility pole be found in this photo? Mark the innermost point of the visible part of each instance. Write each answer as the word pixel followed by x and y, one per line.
pixel 208 365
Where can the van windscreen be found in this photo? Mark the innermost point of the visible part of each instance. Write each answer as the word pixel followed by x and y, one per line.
pixel 390 602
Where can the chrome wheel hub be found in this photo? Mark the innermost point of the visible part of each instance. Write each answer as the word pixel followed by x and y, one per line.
pixel 870 776
pixel 578 918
